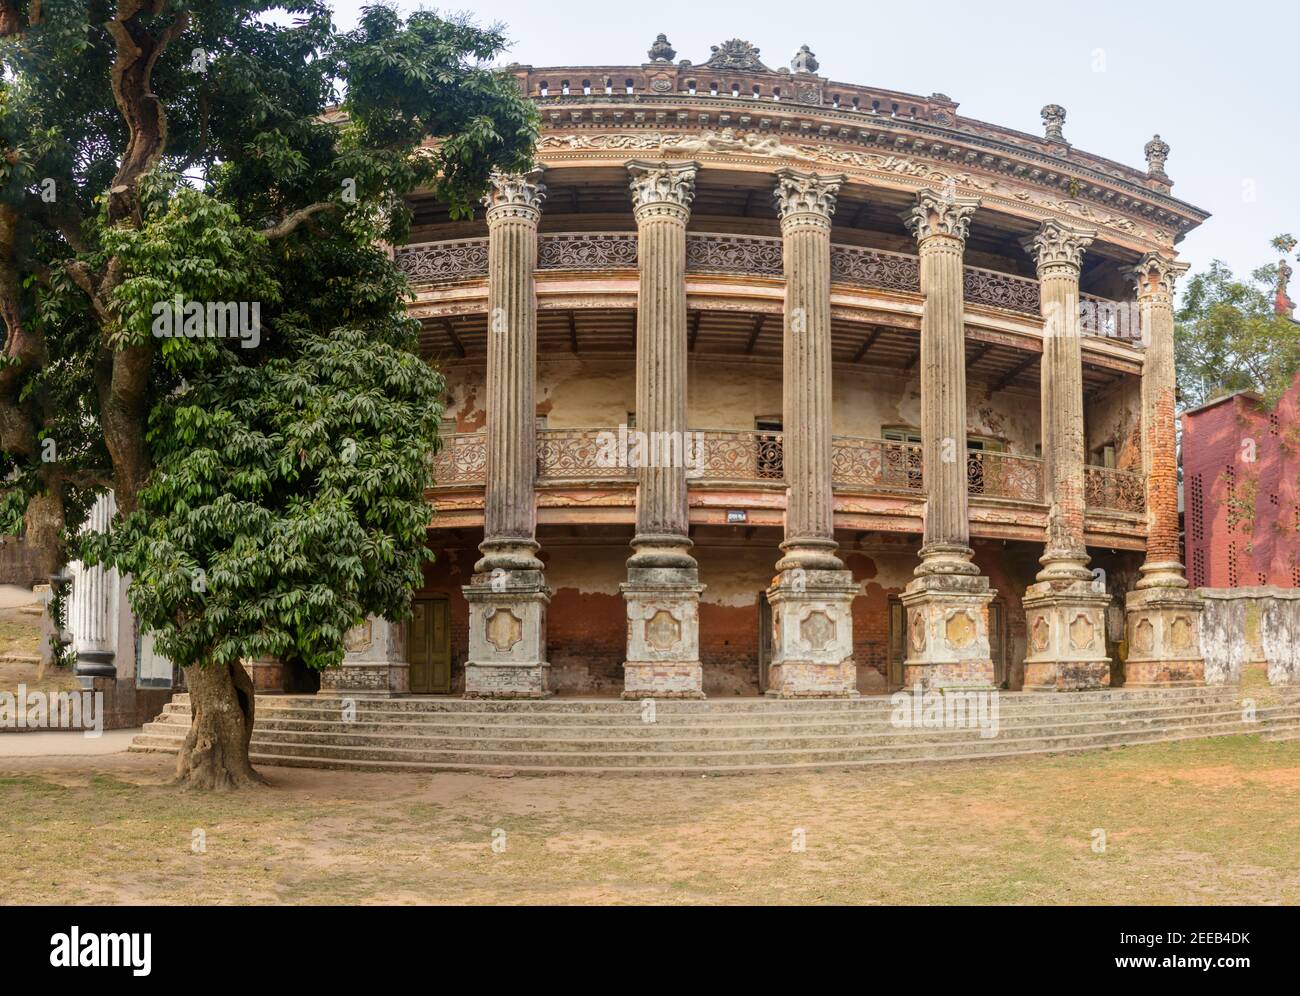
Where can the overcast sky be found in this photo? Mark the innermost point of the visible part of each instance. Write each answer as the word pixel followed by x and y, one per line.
pixel 1218 80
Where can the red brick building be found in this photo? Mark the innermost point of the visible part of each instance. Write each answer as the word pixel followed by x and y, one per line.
pixel 1241 487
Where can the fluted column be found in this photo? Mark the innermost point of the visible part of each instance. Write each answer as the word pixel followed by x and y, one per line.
pixel 1064 608
pixel 805 203
pixel 662 591
pixel 1162 614
pixel 92 607
pixel 507 595
pixel 940 225
pixel 510 513
pixel 812 594
pixel 947 602
pixel 661 198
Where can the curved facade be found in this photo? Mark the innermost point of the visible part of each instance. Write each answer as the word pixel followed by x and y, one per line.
pixel 767 383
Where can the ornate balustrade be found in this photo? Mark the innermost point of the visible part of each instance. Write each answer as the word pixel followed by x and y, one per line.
pixel 747 457
pixel 1004 475
pixel 466 259
pixel 871 464
pixel 1117 490
pixel 461 461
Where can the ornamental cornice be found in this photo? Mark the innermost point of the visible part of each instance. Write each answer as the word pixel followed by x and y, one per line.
pixel 799 193
pixel 661 187
pixel 1058 245
pixel 517 195
pixel 1154 275
pixel 939 213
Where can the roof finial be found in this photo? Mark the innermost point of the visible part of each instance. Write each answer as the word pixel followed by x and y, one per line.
pixel 661 51
pixel 804 61
pixel 1157 151
pixel 1054 122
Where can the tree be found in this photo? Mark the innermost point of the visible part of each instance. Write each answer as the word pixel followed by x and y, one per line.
pixel 199 312
pixel 1230 337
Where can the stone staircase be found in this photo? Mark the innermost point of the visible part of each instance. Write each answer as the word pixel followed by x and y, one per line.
pixel 718 736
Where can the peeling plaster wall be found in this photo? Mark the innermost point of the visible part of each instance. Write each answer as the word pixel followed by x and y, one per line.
pixel 595 392
pixel 1245 626
pixel 1113 418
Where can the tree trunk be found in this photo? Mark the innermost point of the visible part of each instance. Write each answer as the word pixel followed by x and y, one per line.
pixel 215 755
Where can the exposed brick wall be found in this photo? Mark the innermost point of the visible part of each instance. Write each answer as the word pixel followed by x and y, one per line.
pixel 1242 515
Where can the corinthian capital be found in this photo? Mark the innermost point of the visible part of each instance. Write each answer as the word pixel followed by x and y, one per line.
pixel 515 195
pixel 662 187
pixel 1056 244
pixel 1155 275
pixel 938 213
pixel 799 193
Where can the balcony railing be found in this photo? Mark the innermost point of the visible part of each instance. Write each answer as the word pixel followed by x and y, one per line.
pixel 741 457
pixel 758 256
pixel 1117 490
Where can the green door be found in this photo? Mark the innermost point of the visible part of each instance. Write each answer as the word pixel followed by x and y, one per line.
pixel 430 646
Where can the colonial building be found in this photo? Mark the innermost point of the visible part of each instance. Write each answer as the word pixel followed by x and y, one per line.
pixel 762 382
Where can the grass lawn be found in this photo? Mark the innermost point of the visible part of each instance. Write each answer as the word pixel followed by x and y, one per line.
pixel 1210 821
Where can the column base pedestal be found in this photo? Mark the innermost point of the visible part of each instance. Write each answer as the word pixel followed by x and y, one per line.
pixel 507 635
pixel 374 662
pixel 1164 638
pixel 663 634
pixel 1066 627
pixel 812 635
pixel 948 632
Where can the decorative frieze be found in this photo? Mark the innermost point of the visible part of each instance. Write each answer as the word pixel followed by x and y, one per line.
pixel 587 251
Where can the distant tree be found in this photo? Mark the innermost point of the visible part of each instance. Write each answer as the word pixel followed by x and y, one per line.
pixel 1230 336
pixel 270 487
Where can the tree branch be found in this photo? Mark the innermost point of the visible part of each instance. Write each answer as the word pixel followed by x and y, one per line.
pixel 292 221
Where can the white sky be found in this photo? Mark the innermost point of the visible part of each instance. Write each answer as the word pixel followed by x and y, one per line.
pixel 1218 80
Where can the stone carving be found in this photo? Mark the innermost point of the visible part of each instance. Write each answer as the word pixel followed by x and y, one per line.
pixel 1156 151
pixel 503 629
pixel 817 629
pixel 1040 633
pixel 804 61
pixel 1155 275
pixel 1053 122
pixel 1056 244
pixel 918 631
pixel 358 638
pixel 1144 636
pixel 663 631
pixel 808 93
pixel 736 54
pixel 1082 632
pixel 661 184
pixel 750 143
pixel 1180 633
pixel 661 51
pixel 806 193
pixel 937 214
pixel 960 630
pixel 518 192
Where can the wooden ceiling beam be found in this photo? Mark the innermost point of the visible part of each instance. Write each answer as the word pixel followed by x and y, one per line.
pixel 1015 371
pixel 450 332
pixel 754 334
pixel 868 343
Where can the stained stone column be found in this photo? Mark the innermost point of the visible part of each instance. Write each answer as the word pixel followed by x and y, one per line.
pixel 947 601
pixel 92 606
pixel 1163 613
pixel 507 595
pixel 812 594
pixel 1065 609
pixel 662 590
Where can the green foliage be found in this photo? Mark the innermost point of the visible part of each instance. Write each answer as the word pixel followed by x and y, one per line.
pixel 1228 337
pixel 285 494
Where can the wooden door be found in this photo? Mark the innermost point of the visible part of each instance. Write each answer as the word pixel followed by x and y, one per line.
pixel 429 646
pixel 764 640
pixel 998 643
